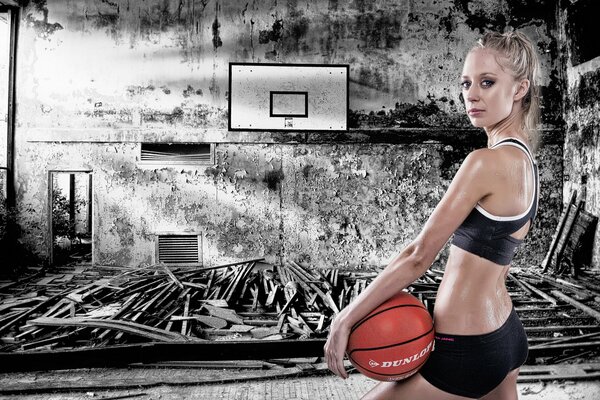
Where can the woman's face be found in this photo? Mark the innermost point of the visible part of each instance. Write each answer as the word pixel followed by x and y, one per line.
pixel 489 92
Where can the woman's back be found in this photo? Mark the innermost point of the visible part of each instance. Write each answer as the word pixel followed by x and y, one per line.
pixel 472 298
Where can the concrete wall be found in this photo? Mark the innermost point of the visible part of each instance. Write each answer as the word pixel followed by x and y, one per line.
pixel 98 78
pixel 582 106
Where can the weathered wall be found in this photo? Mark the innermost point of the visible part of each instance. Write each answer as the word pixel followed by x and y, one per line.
pixel 97 78
pixel 582 107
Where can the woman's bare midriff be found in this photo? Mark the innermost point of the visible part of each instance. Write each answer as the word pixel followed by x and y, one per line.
pixel 472 298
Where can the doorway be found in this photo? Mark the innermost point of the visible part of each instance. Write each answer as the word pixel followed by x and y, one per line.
pixel 71 216
pixel 5 23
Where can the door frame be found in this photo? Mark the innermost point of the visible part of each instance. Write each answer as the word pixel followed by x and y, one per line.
pixel 50 203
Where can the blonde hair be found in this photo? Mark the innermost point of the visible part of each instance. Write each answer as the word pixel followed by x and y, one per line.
pixel 519 57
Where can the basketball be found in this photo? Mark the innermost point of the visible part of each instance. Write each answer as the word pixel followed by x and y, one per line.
pixel 393 341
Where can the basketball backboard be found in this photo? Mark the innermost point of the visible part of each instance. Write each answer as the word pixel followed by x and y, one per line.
pixel 294 97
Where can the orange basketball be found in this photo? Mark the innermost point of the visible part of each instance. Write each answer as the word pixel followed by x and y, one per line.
pixel 393 341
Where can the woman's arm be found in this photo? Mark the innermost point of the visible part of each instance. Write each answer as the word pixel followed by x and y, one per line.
pixel 471 184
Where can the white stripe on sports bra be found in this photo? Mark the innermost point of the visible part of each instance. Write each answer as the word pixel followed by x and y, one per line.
pixel 536 191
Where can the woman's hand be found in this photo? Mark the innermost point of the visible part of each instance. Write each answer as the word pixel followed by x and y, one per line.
pixel 335 347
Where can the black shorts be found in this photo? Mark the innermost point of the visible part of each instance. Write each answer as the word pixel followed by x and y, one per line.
pixel 473 365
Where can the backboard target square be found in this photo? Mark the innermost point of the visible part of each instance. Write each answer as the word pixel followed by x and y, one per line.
pixel 276 97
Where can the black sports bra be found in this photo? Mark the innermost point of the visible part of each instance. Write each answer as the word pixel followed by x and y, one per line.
pixel 488 235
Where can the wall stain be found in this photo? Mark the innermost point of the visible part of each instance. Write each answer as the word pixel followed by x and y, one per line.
pixel 298 26
pixel 137 90
pixel 585 136
pixel 110 3
pixel 273 35
pixel 191 91
pixel 43 28
pixel 379 29
pixel 216 40
pixel 586 94
pixel 552 100
pixel 537 12
pixel 214 88
pixel 519 13
pixel 244 13
pixel 273 179
pixel 157 116
pixel 420 115
pixel 306 171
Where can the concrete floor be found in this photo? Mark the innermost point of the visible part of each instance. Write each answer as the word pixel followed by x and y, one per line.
pixel 304 388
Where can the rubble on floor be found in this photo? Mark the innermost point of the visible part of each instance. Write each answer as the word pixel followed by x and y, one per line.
pixel 103 306
pixel 76 308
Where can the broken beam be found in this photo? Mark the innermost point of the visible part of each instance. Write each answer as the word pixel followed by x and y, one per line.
pixel 586 309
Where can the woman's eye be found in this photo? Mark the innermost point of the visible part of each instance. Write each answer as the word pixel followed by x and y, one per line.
pixel 465 84
pixel 486 83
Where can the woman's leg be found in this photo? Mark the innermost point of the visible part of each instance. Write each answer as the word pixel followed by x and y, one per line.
pixel 415 387
pixel 506 390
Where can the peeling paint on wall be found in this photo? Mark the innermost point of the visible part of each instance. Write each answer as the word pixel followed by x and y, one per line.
pixel 582 114
pixel 156 71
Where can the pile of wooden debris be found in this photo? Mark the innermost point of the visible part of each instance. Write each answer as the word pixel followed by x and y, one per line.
pixel 84 316
pixel 248 300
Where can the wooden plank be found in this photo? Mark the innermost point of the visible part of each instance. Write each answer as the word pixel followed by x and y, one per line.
pixel 172 276
pixel 186 310
pixel 320 323
pixel 308 277
pixel 245 271
pixel 540 293
pixel 520 284
pixel 216 303
pixel 594 345
pixel 558 233
pixel 194 285
pixel 168 287
pixel 254 291
pixel 583 293
pixel 226 314
pixel 261 322
pixel 32 310
pixel 308 286
pixel 123 326
pixel 211 277
pixel 289 303
pixel 21 302
pixel 586 309
pixel 124 309
pixel 564 237
pixel 554 328
pixel 46 341
pixel 565 340
pixel 212 322
pixel 46 280
pixel 534 373
pixel 271 297
pixel 253 260
pixel 235 278
pixel 241 328
pixel 262 332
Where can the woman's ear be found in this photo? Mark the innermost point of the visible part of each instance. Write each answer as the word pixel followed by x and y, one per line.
pixel 522 89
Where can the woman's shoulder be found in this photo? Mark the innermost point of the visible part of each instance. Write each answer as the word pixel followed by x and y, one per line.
pixel 481 158
pixel 484 164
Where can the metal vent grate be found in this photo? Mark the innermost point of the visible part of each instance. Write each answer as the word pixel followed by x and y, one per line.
pixel 178 249
pixel 177 153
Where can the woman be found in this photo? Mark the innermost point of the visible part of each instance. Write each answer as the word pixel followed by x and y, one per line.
pixel 489 207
